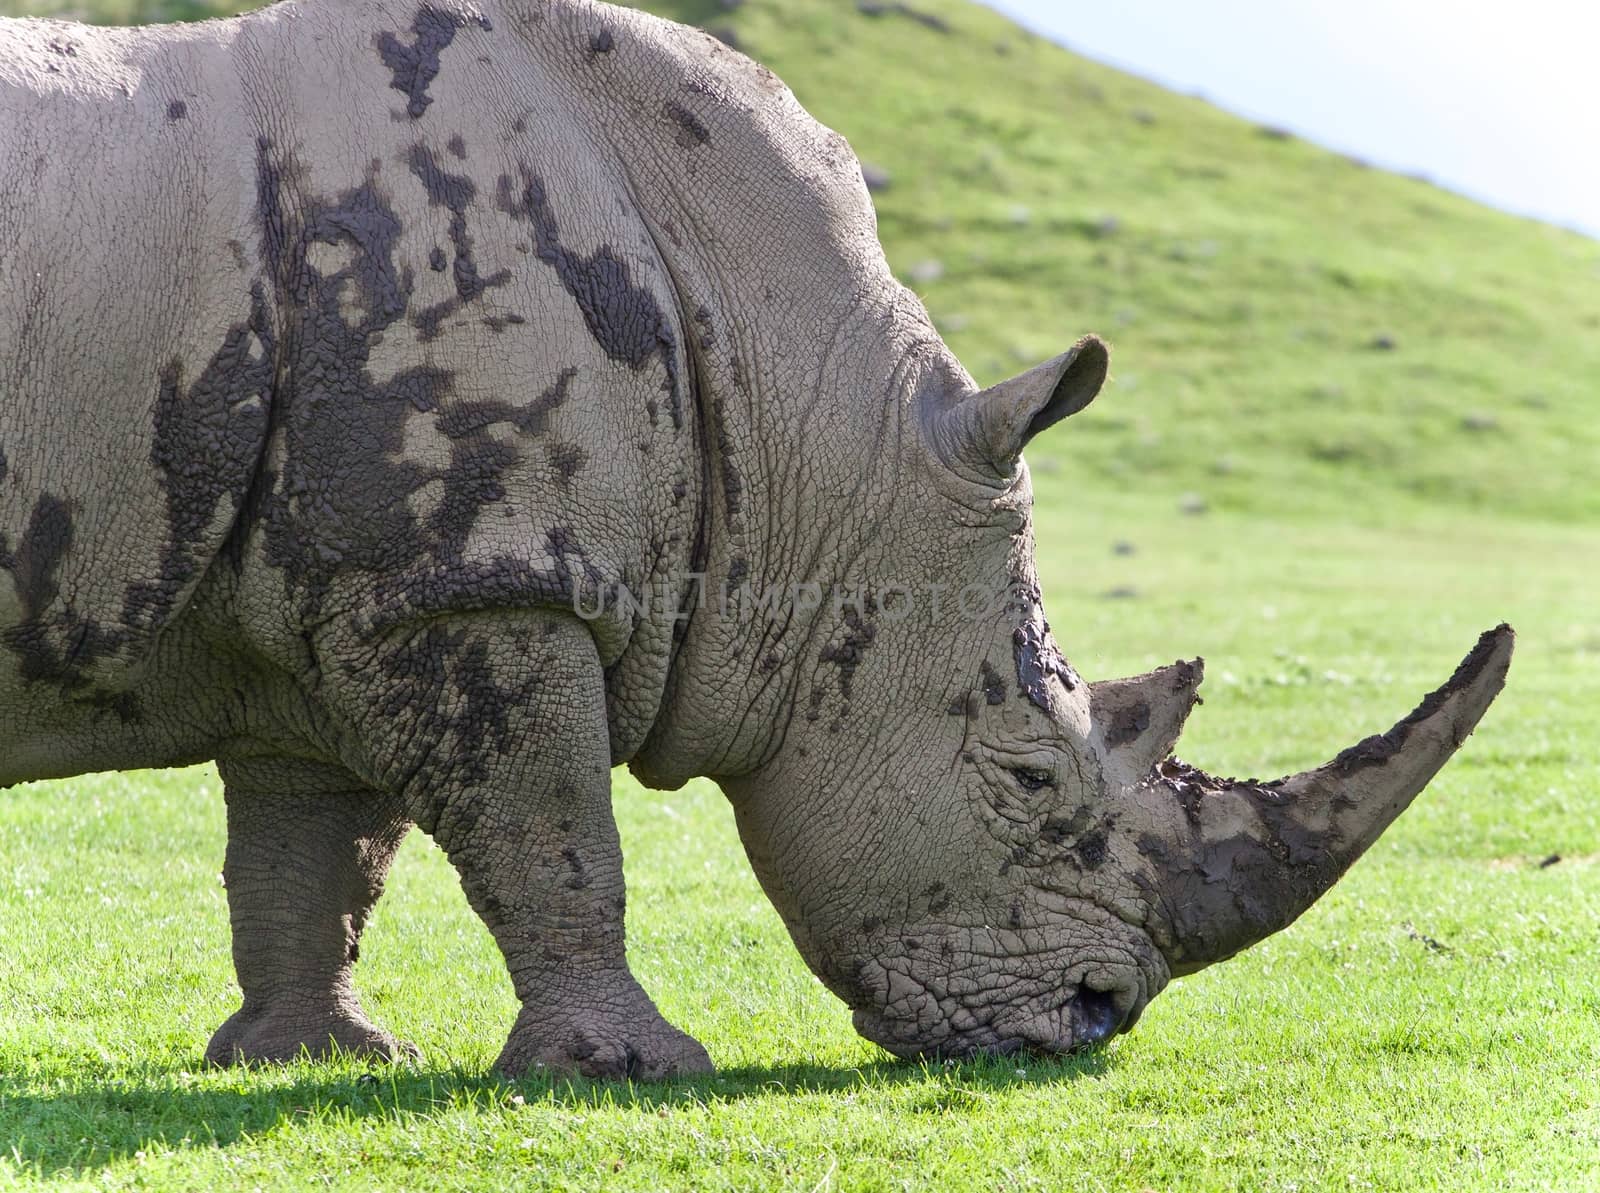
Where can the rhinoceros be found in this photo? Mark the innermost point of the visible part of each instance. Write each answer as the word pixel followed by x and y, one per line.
pixel 392 397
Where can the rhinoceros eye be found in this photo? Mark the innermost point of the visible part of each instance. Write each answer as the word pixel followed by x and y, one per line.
pixel 1032 778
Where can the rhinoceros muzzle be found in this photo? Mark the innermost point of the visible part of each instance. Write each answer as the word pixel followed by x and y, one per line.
pixel 1089 1017
pixel 1068 1018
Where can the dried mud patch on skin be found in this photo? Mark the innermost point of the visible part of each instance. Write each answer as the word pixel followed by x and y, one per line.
pixel 477 461
pixel 57 648
pixel 450 673
pixel 465 418
pixel 848 653
pixel 1038 659
pixel 994 687
pixel 456 193
pixel 567 460
pixel 1079 839
pixel 35 567
pixel 414 67
pixel 727 460
pixel 1091 850
pixel 208 442
pixel 341 502
pixel 623 316
pixel 692 132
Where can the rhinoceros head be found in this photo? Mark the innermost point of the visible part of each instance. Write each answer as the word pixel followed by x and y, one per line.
pixel 978 850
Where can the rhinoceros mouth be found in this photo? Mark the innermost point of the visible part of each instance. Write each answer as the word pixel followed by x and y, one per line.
pixel 1073 978
pixel 1082 1019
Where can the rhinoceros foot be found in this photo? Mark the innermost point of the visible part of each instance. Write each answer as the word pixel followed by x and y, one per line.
pixel 278 1036
pixel 602 1045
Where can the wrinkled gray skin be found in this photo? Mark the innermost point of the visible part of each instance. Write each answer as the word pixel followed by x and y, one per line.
pixel 345 347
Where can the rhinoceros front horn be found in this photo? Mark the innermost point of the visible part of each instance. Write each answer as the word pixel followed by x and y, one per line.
pixel 1248 858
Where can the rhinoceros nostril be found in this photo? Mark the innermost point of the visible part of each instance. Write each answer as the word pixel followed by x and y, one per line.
pixel 1095 1017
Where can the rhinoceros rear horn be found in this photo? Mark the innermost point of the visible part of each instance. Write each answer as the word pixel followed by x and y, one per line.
pixel 1250 857
pixel 991 428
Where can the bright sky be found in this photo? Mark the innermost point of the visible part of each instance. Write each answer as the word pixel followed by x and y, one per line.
pixel 1499 99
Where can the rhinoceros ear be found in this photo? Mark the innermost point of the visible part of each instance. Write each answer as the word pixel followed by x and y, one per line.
pixel 992 427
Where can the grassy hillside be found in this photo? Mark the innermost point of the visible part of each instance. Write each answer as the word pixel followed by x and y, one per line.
pixel 1433 1023
pixel 1250 283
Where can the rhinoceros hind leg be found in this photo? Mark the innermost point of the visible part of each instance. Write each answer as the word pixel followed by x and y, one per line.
pixel 308 849
pixel 494 729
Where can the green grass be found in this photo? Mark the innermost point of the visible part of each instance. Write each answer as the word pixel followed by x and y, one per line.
pixel 1432 1023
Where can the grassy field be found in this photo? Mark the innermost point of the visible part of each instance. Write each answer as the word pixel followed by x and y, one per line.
pixel 1433 1022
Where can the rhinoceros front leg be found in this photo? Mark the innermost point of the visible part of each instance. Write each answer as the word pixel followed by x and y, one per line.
pixel 493 727
pixel 308 849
